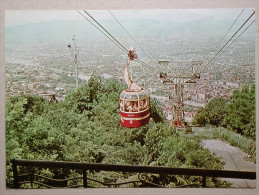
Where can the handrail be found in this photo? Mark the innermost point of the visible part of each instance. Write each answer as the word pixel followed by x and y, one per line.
pixel 139 169
pixel 204 173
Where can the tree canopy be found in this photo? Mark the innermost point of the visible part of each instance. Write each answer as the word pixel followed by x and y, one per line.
pixel 237 115
pixel 85 127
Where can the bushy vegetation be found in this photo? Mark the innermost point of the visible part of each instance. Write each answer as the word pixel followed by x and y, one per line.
pixel 237 115
pixel 85 127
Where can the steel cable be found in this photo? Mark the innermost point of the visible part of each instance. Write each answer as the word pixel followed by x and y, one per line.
pixel 230 28
pixel 129 34
pixel 218 53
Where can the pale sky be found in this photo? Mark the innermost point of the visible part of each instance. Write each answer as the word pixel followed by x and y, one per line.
pixel 13 18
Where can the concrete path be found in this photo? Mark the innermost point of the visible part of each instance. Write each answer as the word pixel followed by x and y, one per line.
pixel 234 159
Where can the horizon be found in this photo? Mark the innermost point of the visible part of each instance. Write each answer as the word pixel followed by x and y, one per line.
pixel 48 26
pixel 16 18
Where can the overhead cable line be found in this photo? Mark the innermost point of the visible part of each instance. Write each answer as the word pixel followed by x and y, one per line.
pixel 129 34
pixel 230 28
pixel 143 63
pixel 106 31
pixel 225 33
pixel 112 38
pixel 238 36
pixel 134 39
pixel 217 54
pixel 102 31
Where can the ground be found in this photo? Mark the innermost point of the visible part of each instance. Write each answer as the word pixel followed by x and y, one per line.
pixel 234 159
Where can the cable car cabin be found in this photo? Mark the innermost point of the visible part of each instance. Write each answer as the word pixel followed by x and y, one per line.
pixel 134 108
pixel 134 101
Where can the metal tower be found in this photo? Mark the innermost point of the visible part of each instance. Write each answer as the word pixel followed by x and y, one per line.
pixel 74 54
pixel 177 94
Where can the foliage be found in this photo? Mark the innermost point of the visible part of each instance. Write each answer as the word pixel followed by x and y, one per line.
pixel 85 127
pixel 237 115
pixel 240 115
pixel 200 118
pixel 63 78
pixel 156 112
pixel 212 114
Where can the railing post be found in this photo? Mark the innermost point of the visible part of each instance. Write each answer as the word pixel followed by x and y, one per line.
pixel 204 181
pixel 84 179
pixel 15 174
pixel 31 177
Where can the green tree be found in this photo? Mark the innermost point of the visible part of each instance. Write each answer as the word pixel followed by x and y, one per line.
pixel 156 112
pixel 85 127
pixel 240 115
pixel 200 118
pixel 212 114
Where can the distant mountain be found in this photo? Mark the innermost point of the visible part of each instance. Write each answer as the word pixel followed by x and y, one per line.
pixel 63 30
pixel 46 31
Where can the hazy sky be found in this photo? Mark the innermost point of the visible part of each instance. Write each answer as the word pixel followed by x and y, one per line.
pixel 13 18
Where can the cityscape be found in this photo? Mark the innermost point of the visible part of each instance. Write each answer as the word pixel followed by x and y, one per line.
pixel 200 119
pixel 49 69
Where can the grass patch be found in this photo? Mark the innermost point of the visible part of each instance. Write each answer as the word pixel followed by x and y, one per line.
pixel 234 139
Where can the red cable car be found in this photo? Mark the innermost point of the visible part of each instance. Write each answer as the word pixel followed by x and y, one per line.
pixel 134 101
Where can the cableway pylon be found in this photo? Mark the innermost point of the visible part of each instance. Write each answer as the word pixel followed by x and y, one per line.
pixel 176 100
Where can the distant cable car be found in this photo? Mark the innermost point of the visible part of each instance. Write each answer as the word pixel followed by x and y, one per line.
pixel 134 101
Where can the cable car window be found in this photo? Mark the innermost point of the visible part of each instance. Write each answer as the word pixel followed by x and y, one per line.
pixel 135 106
pixel 122 94
pixel 143 104
pixel 129 106
pixel 122 105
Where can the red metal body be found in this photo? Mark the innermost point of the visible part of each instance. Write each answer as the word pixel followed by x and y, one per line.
pixel 178 124
pixel 134 119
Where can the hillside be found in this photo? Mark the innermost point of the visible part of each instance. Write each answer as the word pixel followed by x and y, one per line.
pixel 85 128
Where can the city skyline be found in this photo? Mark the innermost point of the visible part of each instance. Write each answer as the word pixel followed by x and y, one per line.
pixel 95 57
pixel 38 62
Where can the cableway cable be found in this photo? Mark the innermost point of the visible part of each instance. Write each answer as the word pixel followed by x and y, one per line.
pixel 106 31
pixel 129 34
pixel 133 40
pixel 230 28
pixel 218 53
pixel 112 38
pixel 226 33
pixel 102 32
pixel 237 37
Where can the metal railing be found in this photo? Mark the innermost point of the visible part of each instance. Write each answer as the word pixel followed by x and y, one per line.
pixel 32 178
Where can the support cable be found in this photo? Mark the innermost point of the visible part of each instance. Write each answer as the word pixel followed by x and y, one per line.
pixel 145 64
pixel 102 32
pixel 106 31
pixel 226 32
pixel 230 28
pixel 112 38
pixel 140 61
pixel 134 40
pixel 129 34
pixel 218 53
pixel 237 38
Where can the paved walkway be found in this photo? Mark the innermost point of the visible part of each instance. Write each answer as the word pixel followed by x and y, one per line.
pixel 234 159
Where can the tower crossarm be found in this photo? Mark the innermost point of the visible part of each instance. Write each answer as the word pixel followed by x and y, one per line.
pixel 179 81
